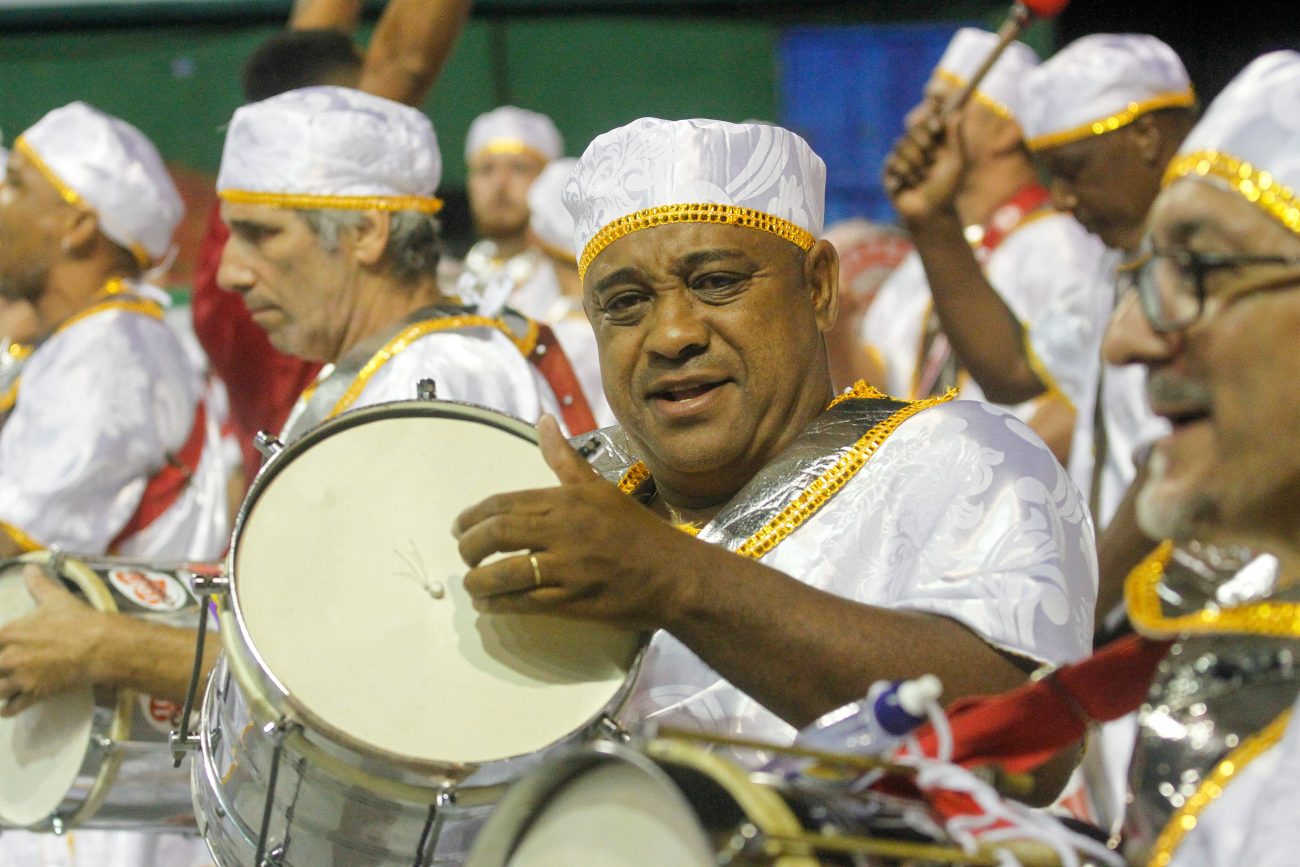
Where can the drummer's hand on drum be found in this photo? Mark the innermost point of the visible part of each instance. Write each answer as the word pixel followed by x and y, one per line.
pixel 599 554
pixel 48 650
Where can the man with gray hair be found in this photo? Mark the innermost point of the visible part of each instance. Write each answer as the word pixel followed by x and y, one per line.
pixel 329 196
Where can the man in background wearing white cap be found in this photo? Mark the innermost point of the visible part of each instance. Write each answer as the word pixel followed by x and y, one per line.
pixel 842 539
pixel 550 230
pixel 505 150
pixel 329 196
pixel 1213 318
pixel 109 447
pixel 985 222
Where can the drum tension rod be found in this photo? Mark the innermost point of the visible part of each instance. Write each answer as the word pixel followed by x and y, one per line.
pixel 278 731
pixel 181 740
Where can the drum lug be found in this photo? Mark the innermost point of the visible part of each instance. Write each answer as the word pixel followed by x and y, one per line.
pixel 58 826
pixel 207 584
pixel 182 742
pixel 273 858
pixel 267 444
pixel 611 728
pixel 426 389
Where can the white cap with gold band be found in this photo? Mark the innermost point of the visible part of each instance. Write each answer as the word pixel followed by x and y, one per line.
pixel 513 130
pixel 547 216
pixel 1247 140
pixel 652 172
pixel 102 163
pixel 1099 83
pixel 331 147
pixel 999 90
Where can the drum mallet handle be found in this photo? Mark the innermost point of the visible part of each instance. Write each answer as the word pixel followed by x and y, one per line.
pixel 1018 18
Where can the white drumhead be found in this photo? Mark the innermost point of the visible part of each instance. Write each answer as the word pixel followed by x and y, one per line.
pixel 332 574
pixel 616 815
pixel 42 749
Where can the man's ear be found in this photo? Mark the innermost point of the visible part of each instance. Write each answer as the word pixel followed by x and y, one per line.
pixel 80 232
pixel 371 237
pixel 822 282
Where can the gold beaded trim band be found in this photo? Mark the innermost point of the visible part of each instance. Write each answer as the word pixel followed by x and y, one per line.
pixel 423 204
pixel 979 96
pixel 1132 112
pixel 71 196
pixel 1259 187
pixel 509 146
pixel 700 212
pixel 1142 599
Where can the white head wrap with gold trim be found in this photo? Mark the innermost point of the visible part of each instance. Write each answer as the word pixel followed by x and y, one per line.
pixel 103 163
pixel 651 172
pixel 999 90
pixel 1099 83
pixel 1249 138
pixel 331 147
pixel 548 218
pixel 513 130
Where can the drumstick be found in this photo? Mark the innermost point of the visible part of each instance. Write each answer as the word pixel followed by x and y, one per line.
pixel 1022 12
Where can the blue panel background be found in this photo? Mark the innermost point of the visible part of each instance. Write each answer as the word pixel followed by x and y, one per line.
pixel 846 90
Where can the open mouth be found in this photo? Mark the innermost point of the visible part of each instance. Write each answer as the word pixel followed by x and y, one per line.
pixel 1180 417
pixel 686 392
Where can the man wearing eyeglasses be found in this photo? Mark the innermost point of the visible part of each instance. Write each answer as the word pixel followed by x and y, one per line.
pixel 1213 316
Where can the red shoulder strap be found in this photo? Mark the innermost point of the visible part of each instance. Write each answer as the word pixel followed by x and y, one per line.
pixel 167 485
pixel 549 359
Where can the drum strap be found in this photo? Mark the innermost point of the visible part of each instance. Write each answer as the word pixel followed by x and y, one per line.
pixel 551 362
pixel 167 485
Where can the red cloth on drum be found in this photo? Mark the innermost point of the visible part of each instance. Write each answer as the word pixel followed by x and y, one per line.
pixel 165 486
pixel 261 382
pixel 1021 729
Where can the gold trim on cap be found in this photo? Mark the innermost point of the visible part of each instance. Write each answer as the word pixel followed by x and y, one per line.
pixel 423 204
pixel 142 256
pixel 1258 186
pixel 1131 112
pixel 998 108
pixel 510 146
pixel 700 212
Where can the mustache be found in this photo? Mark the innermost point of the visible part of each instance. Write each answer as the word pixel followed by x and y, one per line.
pixel 1166 388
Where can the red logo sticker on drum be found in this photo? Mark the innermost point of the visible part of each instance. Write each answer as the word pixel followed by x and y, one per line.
pixel 156 591
pixel 163 715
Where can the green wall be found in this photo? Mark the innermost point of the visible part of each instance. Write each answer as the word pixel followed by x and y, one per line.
pixel 180 83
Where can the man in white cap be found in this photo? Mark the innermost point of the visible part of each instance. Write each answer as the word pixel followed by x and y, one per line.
pixel 110 446
pixel 329 196
pixel 505 150
pixel 1212 317
pixel 786 547
pixel 1103 117
pixel 981 221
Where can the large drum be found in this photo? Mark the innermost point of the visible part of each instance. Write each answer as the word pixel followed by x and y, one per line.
pixel 671 801
pixel 97 758
pixel 363 712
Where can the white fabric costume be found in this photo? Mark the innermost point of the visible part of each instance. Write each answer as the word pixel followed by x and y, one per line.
pixel 100 404
pixel 1047 272
pixel 472 364
pixel 963 512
